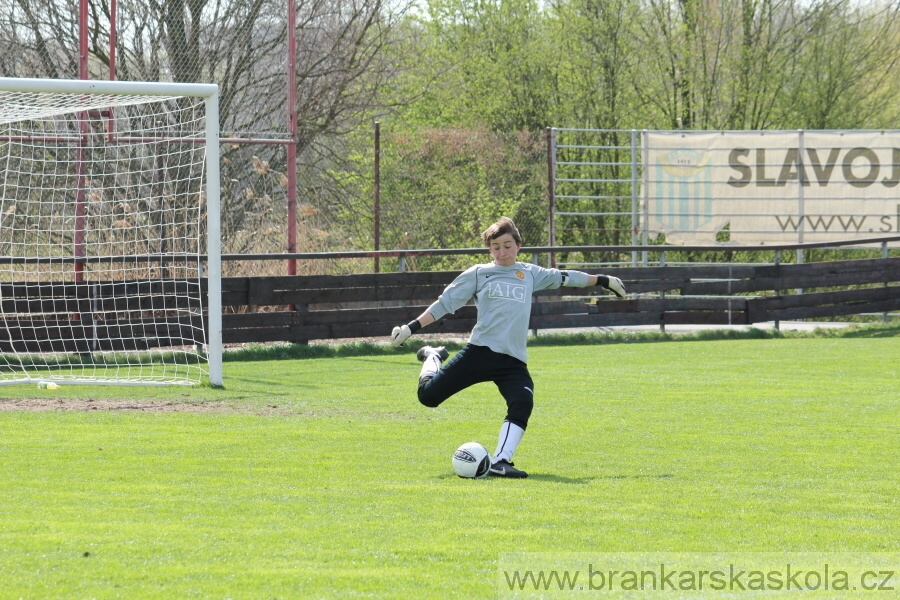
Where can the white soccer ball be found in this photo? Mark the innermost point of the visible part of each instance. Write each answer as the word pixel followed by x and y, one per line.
pixel 471 460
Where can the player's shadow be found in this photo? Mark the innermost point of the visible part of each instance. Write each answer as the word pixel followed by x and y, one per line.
pixel 561 479
pixel 586 480
pixel 642 476
pixel 531 477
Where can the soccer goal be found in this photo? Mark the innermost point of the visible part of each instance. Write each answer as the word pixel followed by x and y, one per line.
pixel 110 267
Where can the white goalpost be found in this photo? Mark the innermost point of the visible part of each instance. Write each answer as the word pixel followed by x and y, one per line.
pixel 110 254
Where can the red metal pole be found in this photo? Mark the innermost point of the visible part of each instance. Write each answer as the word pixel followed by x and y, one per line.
pixel 113 41
pixel 113 38
pixel 292 130
pixel 79 152
pixel 377 193
pixel 82 39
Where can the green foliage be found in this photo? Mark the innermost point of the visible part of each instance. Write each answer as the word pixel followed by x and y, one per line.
pixel 477 83
pixel 771 64
pixel 476 72
pixel 496 61
pixel 440 188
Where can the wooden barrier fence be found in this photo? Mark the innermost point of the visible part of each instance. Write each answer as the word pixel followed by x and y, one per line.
pixel 356 306
pixel 91 316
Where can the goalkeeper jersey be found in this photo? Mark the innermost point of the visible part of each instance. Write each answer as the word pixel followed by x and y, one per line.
pixel 502 296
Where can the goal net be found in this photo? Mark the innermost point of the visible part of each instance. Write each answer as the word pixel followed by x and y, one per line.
pixel 109 233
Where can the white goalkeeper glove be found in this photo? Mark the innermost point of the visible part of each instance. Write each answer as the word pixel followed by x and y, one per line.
pixel 399 335
pixel 611 283
pixel 616 286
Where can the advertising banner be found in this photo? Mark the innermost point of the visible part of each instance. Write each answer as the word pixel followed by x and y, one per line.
pixel 772 187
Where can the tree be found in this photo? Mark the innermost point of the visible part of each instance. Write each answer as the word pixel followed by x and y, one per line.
pixel 847 68
pixel 342 74
pixel 486 64
pixel 596 78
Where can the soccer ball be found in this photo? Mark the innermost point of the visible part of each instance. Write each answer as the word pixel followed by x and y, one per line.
pixel 471 460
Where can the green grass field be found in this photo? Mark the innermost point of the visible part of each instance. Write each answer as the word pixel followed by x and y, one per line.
pixel 324 478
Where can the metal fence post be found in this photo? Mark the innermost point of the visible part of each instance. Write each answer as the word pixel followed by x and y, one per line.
pixel 634 196
pixel 778 262
pixel 551 189
pixel 801 207
pixel 377 207
pixel 662 297
pixel 884 254
pixel 645 233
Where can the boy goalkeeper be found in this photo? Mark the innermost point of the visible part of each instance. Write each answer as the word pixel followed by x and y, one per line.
pixel 502 292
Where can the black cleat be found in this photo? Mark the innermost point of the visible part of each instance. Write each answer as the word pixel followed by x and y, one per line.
pixel 426 351
pixel 503 468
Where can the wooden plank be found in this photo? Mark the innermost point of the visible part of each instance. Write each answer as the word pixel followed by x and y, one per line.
pixel 146 303
pixel 592 320
pixel 561 308
pixel 823 304
pixel 551 295
pixel 85 346
pixel 123 303
pixel 262 296
pixel 758 310
pixel 337 331
pixel 48 346
pixel 44 289
pixel 835 267
pixel 276 334
pixel 656 285
pixel 261 291
pixel 147 287
pixel 807 275
pixel 235 299
pixel 677 303
pixel 637 318
pixel 410 294
pixel 839 310
pixel 35 329
pixel 716 271
pixel 287 284
pixel 28 333
pixel 672 303
pixel 368 280
pixel 779 283
pixel 91 289
pixel 238 285
pixel 377 317
pixel 44 306
pixel 835 297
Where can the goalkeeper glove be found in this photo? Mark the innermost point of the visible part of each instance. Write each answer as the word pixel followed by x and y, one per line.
pixel 401 333
pixel 613 284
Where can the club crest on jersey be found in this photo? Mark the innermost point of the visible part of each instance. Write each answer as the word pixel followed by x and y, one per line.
pixel 520 274
pixel 506 291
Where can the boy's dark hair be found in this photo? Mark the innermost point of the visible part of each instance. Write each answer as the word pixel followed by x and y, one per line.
pixel 503 226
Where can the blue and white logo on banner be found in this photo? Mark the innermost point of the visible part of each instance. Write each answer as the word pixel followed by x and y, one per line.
pixel 684 189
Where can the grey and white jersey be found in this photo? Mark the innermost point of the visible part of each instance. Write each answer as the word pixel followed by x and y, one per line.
pixel 502 297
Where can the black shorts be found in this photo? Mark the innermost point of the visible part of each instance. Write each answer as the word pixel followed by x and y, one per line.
pixel 477 364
